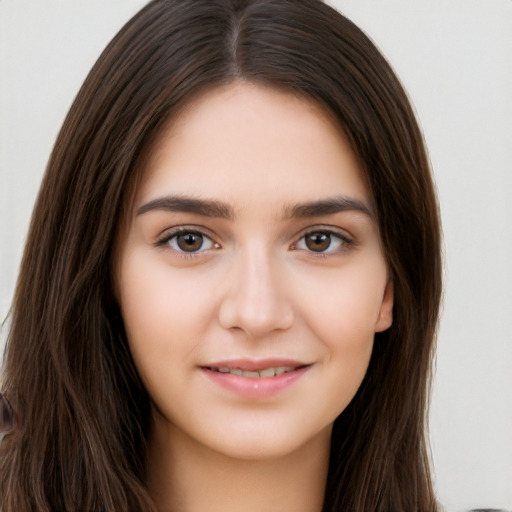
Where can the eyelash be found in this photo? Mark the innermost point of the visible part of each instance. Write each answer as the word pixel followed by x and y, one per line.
pixel 164 241
pixel 344 242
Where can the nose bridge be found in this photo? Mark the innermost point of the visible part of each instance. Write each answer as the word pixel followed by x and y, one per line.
pixel 257 301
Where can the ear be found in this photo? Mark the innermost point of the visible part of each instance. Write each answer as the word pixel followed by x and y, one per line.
pixel 385 318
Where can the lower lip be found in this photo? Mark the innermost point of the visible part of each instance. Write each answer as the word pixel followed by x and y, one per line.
pixel 255 388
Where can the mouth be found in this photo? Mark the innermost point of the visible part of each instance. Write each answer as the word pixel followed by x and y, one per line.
pixel 265 373
pixel 256 379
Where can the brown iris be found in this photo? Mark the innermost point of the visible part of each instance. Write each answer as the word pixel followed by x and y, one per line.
pixel 318 242
pixel 189 242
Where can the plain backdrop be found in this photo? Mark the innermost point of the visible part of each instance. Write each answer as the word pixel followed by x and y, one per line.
pixel 455 59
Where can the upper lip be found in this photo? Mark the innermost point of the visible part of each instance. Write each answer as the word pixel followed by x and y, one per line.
pixel 255 365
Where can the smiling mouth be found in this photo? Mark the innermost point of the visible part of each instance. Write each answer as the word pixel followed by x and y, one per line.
pixel 256 380
pixel 265 373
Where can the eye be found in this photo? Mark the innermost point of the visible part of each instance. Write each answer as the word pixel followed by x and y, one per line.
pixel 322 242
pixel 187 241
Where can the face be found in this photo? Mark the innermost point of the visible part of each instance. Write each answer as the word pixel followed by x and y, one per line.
pixel 251 277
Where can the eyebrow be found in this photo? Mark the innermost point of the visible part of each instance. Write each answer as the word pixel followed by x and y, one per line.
pixel 218 209
pixel 328 206
pixel 204 207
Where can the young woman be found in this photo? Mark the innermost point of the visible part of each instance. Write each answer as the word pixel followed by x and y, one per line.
pixel 230 289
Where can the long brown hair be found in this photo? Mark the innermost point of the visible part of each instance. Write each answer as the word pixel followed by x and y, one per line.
pixel 82 411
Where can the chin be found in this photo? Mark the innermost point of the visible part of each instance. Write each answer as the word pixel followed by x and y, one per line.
pixel 268 444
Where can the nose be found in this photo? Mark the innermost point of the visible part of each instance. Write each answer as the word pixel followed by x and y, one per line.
pixel 257 299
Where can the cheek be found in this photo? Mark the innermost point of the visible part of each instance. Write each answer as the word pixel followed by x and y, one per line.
pixel 164 312
pixel 344 308
pixel 346 331
pixel 342 314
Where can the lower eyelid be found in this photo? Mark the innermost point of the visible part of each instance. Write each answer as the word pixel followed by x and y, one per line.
pixel 164 240
pixel 205 240
pixel 344 242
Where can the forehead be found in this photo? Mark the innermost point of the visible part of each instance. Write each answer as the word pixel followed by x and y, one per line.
pixel 243 142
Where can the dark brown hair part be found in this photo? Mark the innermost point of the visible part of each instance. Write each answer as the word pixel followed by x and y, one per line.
pixel 82 412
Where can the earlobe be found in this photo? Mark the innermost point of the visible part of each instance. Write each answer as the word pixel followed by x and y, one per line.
pixel 385 318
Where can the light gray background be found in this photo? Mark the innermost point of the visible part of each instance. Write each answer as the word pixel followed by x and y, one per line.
pixel 455 59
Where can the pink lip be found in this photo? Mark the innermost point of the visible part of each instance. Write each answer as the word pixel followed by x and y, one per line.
pixel 254 365
pixel 255 387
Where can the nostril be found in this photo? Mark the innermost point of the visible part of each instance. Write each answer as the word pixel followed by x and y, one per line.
pixel 7 420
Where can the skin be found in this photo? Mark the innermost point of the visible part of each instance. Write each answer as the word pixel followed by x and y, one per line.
pixel 268 279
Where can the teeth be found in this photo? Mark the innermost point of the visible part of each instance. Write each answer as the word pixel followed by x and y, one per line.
pixel 262 374
pixel 267 372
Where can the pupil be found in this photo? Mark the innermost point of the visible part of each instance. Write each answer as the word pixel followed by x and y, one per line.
pixel 318 241
pixel 190 242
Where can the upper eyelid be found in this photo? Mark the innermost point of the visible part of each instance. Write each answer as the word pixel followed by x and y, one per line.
pixel 322 228
pixel 168 233
pixel 345 245
pixel 163 242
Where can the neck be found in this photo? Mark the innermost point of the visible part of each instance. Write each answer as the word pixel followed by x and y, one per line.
pixel 186 477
